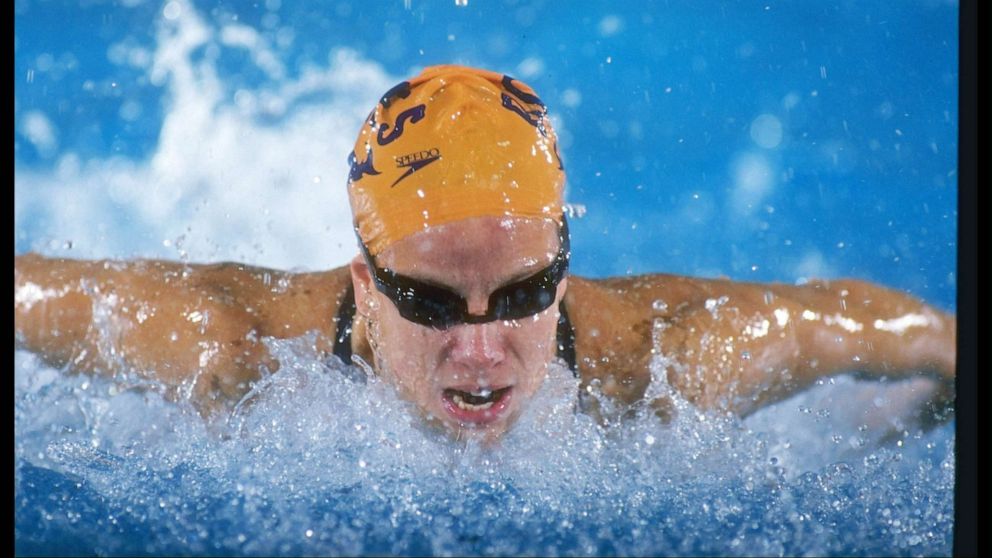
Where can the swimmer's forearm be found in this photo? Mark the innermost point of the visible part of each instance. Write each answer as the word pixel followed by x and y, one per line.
pixel 759 343
pixel 189 326
pixel 862 327
pixel 53 311
pixel 107 316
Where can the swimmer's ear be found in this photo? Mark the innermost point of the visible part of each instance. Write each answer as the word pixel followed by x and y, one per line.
pixel 361 279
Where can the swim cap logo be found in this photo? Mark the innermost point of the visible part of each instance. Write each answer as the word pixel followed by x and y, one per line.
pixel 416 161
pixel 414 115
pixel 400 90
pixel 358 170
pixel 533 117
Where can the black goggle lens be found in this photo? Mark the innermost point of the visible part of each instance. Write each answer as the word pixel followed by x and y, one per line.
pixel 427 304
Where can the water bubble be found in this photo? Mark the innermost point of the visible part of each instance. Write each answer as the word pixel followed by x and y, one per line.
pixel 575 210
pixel 130 111
pixel 571 98
pixel 610 25
pixel 713 304
pixel 766 131
pixel 172 10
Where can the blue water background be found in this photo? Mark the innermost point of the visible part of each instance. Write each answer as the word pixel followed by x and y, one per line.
pixel 863 182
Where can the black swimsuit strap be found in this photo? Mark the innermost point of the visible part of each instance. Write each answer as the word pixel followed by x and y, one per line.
pixel 566 339
pixel 343 322
pixel 346 316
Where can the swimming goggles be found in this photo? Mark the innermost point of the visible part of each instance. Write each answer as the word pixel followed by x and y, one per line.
pixel 440 308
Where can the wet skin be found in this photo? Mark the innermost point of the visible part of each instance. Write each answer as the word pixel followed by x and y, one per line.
pixel 724 345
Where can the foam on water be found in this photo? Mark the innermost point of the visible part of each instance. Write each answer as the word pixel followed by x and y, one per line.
pixel 320 460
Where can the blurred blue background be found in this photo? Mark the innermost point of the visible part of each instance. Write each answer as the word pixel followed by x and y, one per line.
pixel 764 141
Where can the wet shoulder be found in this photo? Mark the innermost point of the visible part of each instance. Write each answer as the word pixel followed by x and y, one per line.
pixel 286 304
pixel 308 301
pixel 615 321
pixel 619 320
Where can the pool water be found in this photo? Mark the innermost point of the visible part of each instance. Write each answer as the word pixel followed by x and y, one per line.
pixel 317 463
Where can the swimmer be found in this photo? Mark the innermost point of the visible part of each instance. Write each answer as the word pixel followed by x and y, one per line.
pixel 460 296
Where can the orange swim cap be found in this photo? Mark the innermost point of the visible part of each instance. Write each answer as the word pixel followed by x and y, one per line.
pixel 452 143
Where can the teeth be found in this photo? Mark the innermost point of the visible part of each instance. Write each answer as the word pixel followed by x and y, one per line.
pixel 468 406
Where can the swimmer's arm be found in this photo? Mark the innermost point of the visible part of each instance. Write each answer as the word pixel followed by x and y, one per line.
pixel 196 327
pixel 766 342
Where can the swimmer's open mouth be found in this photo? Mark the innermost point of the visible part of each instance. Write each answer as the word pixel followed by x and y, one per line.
pixel 479 407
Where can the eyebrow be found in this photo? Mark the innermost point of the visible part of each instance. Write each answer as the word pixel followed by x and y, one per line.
pixel 518 277
pixel 529 272
pixel 563 252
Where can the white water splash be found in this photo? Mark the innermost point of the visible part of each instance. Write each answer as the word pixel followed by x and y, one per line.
pixel 352 464
pixel 225 160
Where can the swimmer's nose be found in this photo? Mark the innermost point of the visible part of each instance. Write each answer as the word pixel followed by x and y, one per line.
pixel 478 346
pixel 477 305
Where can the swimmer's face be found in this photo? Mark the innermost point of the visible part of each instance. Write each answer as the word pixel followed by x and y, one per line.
pixel 473 378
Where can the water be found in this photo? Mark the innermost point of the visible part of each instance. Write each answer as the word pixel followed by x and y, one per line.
pixel 316 463
pixel 207 131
